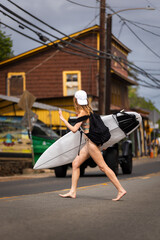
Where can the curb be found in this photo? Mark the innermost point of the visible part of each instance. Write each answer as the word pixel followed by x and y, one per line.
pixel 30 173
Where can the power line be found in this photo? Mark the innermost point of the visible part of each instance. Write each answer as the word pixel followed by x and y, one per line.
pixel 68 52
pixel 21 33
pixel 158 35
pixel 122 19
pixel 92 20
pixel 140 80
pixel 143 42
pixel 84 50
pixel 67 35
pixel 53 28
pixel 146 61
pixel 21 24
pixel 145 24
pixel 114 58
pixel 136 68
pixel 120 31
pixel 55 46
pixel 86 6
pixel 82 5
pixel 151 69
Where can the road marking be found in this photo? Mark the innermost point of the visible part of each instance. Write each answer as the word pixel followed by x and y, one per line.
pixel 20 197
pixel 147 177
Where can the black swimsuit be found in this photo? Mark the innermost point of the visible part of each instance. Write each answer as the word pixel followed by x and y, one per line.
pixel 94 138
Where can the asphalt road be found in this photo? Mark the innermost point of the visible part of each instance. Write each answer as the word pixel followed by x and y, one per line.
pixel 92 215
pixel 39 183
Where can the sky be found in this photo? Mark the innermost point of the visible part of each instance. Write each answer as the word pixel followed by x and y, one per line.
pixel 68 17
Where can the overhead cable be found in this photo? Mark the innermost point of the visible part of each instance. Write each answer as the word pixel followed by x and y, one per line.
pixel 84 50
pixel 96 56
pixel 146 30
pixel 53 28
pixel 122 19
pixel 21 33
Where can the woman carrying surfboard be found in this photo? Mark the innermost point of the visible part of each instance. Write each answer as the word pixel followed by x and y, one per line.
pixel 91 149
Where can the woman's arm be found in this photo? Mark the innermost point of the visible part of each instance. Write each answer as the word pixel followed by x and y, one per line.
pixel 68 125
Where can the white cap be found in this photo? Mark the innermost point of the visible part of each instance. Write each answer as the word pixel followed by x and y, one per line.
pixel 81 97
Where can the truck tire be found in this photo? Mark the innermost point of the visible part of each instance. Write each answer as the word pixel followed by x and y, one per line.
pixel 111 159
pixel 60 171
pixel 126 164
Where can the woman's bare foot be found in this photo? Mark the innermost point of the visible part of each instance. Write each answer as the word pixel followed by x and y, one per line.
pixel 120 195
pixel 68 195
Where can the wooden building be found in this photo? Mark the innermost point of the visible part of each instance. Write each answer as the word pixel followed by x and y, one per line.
pixel 53 74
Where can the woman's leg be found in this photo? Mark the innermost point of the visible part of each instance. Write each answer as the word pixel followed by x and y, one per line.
pixel 84 155
pixel 98 158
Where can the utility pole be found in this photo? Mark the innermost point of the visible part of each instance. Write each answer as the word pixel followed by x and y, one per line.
pixel 102 61
pixel 108 63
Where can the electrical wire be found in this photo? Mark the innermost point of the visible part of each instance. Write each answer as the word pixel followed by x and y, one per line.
pixel 136 69
pixel 140 80
pixel 21 33
pixel 53 28
pixel 145 24
pixel 69 36
pixel 84 50
pixel 86 6
pixel 92 21
pixel 82 5
pixel 120 31
pixel 114 58
pixel 60 31
pixel 47 45
pixel 96 15
pixel 122 19
pixel 143 72
pixel 143 42
pixel 146 61
pixel 68 52
pixel 21 24
pixel 146 30
pixel 66 42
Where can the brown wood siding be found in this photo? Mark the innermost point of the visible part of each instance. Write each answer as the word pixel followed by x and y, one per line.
pixel 44 77
pixel 44 73
pixel 119 94
pixel 117 66
pixel 3 79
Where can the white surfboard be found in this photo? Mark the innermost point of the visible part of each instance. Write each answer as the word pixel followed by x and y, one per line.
pixel 64 150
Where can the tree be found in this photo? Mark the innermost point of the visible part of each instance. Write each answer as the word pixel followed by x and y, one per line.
pixel 5 46
pixel 138 101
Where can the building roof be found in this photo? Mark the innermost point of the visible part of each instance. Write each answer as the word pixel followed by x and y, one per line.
pixel 8 102
pixel 130 81
pixel 143 112
pixel 44 47
pixel 74 35
pixel 121 44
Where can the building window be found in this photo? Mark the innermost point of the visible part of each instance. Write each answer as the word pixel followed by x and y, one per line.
pixel 71 82
pixel 116 95
pixel 16 84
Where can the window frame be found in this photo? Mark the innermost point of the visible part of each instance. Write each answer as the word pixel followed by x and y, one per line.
pixel 10 74
pixel 65 80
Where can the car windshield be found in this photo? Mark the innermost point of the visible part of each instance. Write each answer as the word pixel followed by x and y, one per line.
pixel 42 129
